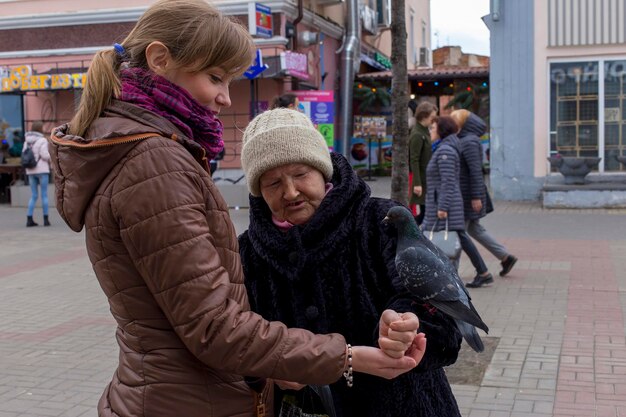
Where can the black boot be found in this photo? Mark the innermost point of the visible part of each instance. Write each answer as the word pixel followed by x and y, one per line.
pixel 480 281
pixel 46 222
pixel 30 222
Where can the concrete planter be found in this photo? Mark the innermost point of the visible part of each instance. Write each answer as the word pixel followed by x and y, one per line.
pixel 621 160
pixel 574 169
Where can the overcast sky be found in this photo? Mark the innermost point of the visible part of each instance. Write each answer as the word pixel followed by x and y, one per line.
pixel 458 22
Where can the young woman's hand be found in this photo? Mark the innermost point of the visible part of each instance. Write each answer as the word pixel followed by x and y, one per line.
pixel 374 361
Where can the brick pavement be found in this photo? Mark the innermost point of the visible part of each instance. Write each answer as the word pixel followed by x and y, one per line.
pixel 559 317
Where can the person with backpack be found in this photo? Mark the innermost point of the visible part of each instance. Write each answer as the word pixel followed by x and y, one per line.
pixel 36 161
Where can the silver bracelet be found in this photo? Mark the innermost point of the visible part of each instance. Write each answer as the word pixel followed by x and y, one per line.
pixel 348 372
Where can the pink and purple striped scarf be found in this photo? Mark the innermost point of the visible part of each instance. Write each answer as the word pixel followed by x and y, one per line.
pixel 155 93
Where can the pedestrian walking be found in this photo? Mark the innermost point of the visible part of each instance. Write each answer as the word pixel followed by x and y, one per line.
pixel 476 200
pixel 132 169
pixel 39 175
pixel 420 153
pixel 317 256
pixel 444 202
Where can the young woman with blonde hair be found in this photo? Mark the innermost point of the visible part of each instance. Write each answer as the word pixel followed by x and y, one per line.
pixel 131 168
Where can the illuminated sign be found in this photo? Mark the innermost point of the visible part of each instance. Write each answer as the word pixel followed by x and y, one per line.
pixel 295 64
pixel 21 79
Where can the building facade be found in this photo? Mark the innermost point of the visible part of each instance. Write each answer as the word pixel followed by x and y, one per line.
pixel 47 47
pixel 560 91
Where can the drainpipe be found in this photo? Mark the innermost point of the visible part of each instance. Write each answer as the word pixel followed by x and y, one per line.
pixel 350 60
pixel 295 83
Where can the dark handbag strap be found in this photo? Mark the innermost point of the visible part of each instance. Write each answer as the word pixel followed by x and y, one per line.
pixel 326 397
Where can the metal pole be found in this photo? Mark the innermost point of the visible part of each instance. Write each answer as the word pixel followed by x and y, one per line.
pixel 349 59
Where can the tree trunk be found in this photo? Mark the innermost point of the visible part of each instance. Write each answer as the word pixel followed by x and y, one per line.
pixel 400 102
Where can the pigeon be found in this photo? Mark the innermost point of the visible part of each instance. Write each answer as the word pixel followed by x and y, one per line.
pixel 428 274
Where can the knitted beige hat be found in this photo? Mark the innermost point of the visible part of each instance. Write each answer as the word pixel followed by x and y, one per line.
pixel 280 137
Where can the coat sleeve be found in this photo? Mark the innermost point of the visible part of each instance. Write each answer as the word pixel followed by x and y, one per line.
pixel 446 163
pixel 470 148
pixel 415 151
pixel 174 251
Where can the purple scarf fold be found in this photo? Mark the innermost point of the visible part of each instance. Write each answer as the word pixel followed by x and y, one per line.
pixel 155 93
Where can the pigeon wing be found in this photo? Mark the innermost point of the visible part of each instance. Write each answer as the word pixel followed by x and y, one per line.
pixel 422 273
pixel 429 279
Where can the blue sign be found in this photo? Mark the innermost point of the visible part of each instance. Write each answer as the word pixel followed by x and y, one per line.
pixel 257 68
pixel 260 21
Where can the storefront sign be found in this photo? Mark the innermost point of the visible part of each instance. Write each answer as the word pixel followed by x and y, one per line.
pixel 22 79
pixel 295 64
pixel 371 146
pixel 260 20
pixel 320 107
pixel 382 60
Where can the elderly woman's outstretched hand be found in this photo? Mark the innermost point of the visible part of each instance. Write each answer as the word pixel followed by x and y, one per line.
pixel 396 332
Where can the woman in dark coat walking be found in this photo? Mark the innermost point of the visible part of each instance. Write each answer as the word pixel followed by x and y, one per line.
pixel 444 202
pixel 476 199
pixel 419 154
pixel 317 256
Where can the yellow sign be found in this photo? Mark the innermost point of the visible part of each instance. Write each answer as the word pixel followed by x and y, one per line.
pixel 22 79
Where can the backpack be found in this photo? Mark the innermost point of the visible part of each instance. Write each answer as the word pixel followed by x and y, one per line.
pixel 28 158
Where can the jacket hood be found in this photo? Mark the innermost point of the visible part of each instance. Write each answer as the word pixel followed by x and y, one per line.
pixel 474 125
pixel 81 163
pixel 32 137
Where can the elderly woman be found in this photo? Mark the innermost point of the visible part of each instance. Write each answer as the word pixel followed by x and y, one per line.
pixel 317 256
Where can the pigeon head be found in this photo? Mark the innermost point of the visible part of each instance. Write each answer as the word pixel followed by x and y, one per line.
pixel 399 216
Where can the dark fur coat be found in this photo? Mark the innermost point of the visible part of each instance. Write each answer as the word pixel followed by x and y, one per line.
pixel 337 274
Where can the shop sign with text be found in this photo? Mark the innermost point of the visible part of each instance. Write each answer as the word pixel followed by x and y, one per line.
pixel 22 79
pixel 320 107
pixel 295 64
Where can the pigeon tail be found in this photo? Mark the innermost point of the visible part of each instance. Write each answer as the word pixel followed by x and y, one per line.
pixel 459 311
pixel 470 335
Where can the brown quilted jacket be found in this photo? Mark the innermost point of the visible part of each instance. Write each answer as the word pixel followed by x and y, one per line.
pixel 165 253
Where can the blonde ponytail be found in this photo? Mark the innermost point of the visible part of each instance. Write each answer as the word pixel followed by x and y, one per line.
pixel 102 85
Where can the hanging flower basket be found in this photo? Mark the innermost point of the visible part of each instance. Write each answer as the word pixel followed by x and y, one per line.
pixel 574 169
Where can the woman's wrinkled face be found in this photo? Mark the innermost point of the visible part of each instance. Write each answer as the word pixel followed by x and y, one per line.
pixel 293 192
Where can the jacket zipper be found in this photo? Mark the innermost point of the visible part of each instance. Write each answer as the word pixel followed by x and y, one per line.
pixel 106 142
pixel 204 161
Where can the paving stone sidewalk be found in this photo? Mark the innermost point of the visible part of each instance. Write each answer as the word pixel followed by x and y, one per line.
pixel 558 319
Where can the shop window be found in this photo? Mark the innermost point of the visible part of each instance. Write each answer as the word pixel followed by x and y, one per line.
pixel 614 114
pixel 586 120
pixel 574 109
